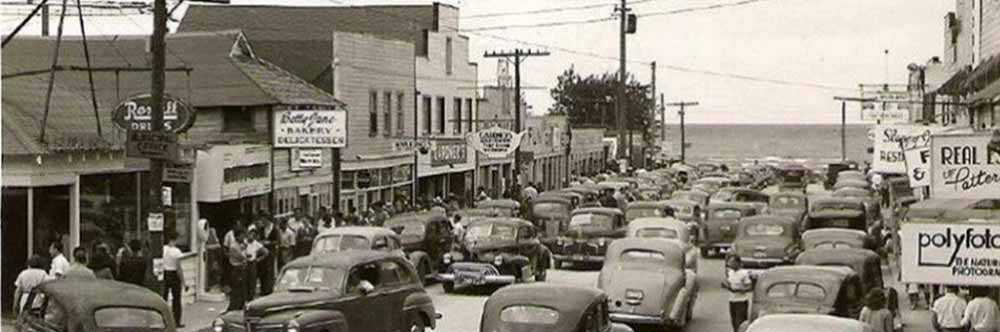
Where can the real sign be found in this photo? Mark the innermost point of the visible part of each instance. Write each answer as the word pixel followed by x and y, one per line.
pixel 495 142
pixel 951 253
pixel 136 114
pixel 965 166
pixel 310 129
pixel 892 140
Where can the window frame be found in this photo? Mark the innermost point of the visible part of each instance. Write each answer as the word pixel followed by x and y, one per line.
pixel 428 115
pixel 457 111
pixel 387 113
pixel 372 113
pixel 442 114
pixel 234 125
pixel 400 116
pixel 448 56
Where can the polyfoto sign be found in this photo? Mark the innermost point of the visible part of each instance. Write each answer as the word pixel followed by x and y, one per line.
pixel 918 163
pixel 965 166
pixel 892 140
pixel 951 253
pixel 495 142
pixel 310 128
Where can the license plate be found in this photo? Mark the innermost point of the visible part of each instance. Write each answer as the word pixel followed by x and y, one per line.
pixel 759 255
pixel 468 278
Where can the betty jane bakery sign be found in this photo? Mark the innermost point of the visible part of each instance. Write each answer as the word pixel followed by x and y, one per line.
pixel 310 128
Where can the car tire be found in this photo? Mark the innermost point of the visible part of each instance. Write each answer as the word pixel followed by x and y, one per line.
pixel 705 252
pixel 541 275
pixel 423 270
pixel 448 286
pixel 416 323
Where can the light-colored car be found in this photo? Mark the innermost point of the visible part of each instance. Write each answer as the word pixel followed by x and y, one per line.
pixel 669 229
pixel 834 238
pixel 802 289
pixel 721 226
pixel 647 282
pixel 548 307
pixel 766 241
pixel 789 203
pixel 358 238
pixel 807 322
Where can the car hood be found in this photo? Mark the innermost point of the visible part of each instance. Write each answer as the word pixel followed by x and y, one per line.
pixel 411 239
pixel 657 285
pixel 489 244
pixel 288 300
pixel 793 212
pixel 774 246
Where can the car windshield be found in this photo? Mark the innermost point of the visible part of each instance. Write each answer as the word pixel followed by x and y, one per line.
pixel 550 210
pixel 723 196
pixel 787 202
pixel 636 213
pixel 682 209
pixel 657 232
pixel 727 214
pixel 830 222
pixel 796 290
pixel 764 230
pixel 336 243
pixel 309 278
pixel 529 314
pixel 413 228
pixel 688 196
pixel 591 221
pixel 490 230
pixel 122 317
pixel 643 256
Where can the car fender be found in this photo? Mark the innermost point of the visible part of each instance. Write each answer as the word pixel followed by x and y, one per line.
pixel 517 260
pixel 313 319
pixel 418 255
pixel 679 306
pixel 422 303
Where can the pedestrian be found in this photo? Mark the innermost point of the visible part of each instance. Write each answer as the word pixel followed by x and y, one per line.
pixel 326 222
pixel 258 257
pixel 173 277
pixel 269 238
pixel 981 313
pixel 230 240
pixel 79 269
pixel 237 261
pixel 132 264
pixel 892 303
pixel 28 279
pixel 875 313
pixel 102 263
pixel 529 192
pixel 740 283
pixel 59 263
pixel 457 229
pixel 913 291
pixel 948 310
pixel 286 243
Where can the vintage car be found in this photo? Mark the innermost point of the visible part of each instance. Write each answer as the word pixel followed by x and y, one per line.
pixel 758 199
pixel 706 168
pixel 806 322
pixel 466 214
pixel 548 307
pixel 647 282
pixel 873 206
pixel 790 204
pixel 90 304
pixel 642 209
pixel 836 212
pixel 709 187
pixel 833 171
pixel 769 240
pixel 697 196
pixel 426 238
pixel 719 228
pixel 669 229
pixel 506 207
pixel 587 236
pixel 496 251
pixel 574 197
pixel 835 238
pixel 358 238
pixel 851 174
pixel 794 177
pixel 866 263
pixel 648 192
pixel 589 193
pixel 551 215
pixel 357 289
pixel 851 183
pixel 800 289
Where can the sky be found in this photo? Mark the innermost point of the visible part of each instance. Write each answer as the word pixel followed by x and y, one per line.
pixel 818 48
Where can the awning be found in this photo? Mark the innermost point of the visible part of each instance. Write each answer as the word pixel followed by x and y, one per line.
pixel 953 86
pixel 987 95
pixel 987 72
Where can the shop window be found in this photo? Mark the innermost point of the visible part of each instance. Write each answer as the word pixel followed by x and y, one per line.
pixel 109 210
pixel 468 112
pixel 399 114
pixel 387 113
pixel 427 115
pixel 50 207
pixel 372 114
pixel 458 115
pixel 347 180
pixel 237 119
pixel 447 56
pixel 441 115
pixel 364 179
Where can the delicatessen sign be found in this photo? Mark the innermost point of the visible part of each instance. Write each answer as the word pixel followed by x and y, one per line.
pixel 495 142
pixel 310 128
pixel 965 166
pixel 951 253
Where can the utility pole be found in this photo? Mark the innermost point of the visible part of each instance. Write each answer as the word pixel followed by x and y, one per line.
pixel 518 55
pixel 843 121
pixel 620 104
pixel 157 47
pixel 663 121
pixel 683 104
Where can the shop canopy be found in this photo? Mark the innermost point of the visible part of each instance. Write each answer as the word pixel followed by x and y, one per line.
pixel 955 210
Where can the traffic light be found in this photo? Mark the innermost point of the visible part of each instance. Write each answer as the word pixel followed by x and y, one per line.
pixel 630 25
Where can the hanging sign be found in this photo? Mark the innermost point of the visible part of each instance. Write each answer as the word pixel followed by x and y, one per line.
pixel 918 163
pixel 154 222
pixel 448 152
pixel 495 142
pixel 136 114
pixel 152 145
pixel 951 253
pixel 965 166
pixel 887 106
pixel 310 129
pixel 893 139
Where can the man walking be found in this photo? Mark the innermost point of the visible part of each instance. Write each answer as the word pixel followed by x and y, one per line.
pixel 947 311
pixel 173 276
pixel 981 314
pixel 59 263
pixel 79 267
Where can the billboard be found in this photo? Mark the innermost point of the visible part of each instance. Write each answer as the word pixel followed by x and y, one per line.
pixel 951 253
pixel 965 165
pixel 892 140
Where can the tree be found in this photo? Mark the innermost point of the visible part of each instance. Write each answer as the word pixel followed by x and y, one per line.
pixel 590 102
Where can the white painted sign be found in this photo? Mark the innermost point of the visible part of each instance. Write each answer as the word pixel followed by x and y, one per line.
pixel 892 140
pixel 918 166
pixel 233 171
pixel 888 106
pixel 965 166
pixel 306 159
pixel 154 222
pixel 310 129
pixel 495 142
pixel 951 253
pixel 167 195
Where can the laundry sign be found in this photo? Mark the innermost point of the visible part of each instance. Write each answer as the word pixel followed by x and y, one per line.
pixel 966 165
pixel 495 142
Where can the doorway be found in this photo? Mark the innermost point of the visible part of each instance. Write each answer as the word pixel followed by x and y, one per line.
pixel 15 245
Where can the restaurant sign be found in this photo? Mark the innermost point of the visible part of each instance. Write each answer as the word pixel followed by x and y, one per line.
pixel 964 253
pixel 310 128
pixel 448 152
pixel 965 166
pixel 892 140
pixel 495 142
pixel 136 114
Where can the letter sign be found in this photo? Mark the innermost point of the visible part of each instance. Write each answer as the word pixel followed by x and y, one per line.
pixel 136 114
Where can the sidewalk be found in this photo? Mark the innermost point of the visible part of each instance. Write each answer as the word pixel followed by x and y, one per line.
pixel 198 316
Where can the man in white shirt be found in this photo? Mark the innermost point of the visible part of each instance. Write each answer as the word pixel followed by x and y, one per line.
pixel 947 311
pixel 59 262
pixel 740 283
pixel 981 313
pixel 173 276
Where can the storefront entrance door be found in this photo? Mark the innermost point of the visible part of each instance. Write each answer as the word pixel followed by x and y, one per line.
pixel 15 244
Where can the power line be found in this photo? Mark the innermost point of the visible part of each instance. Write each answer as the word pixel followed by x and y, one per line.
pixel 758 79
pixel 540 25
pixel 700 8
pixel 537 11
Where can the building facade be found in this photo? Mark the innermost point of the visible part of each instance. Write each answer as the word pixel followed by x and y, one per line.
pixel 495 109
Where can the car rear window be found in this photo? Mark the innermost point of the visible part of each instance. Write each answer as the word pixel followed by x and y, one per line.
pixel 591 221
pixel 527 314
pixel 727 214
pixel 765 230
pixel 796 290
pixel 788 201
pixel 550 210
pixel 638 255
pixel 643 213
pixel 121 317
pixel 656 232
pixel 336 243
pixel 310 278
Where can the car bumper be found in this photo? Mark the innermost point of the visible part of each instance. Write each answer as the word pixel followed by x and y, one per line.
pixel 762 262
pixel 619 317
pixel 485 274
pixel 719 245
pixel 579 258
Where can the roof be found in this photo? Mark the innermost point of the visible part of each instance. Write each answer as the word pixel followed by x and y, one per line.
pixel 340 259
pixel 499 203
pixel 502 220
pixel 670 249
pixel 741 206
pixel 570 301
pixel 769 219
pixel 953 86
pixel 366 231
pixel 648 204
pixel 851 192
pixel 218 77
pixel 806 322
pixel 807 272
pixel 658 222
pixel 837 202
pixel 83 295
pixel 299 38
pixel 836 256
pixel 988 94
pixel 692 192
pixel 679 202
pixel 598 210
pixel 417 217
pixel 583 189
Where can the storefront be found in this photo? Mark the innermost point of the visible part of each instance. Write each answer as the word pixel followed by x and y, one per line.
pixel 233 183
pixel 445 169
pixel 305 140
pixel 363 188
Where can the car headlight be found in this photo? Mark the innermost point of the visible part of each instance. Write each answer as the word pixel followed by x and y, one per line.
pixel 218 325
pixel 446 258
pixel 498 260
pixel 292 326
pixel 559 242
pixel 602 241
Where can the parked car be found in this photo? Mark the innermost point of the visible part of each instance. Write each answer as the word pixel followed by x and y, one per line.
pixel 866 263
pixel 799 289
pixel 873 207
pixel 851 183
pixel 836 212
pixel 91 304
pixel 643 209
pixel 587 236
pixel 698 197
pixel 548 307
pixel 496 251
pixel 551 215
pixel 756 198
pixel 789 204
pixel 668 229
pixel 648 192
pixel 721 225
pixel 709 187
pixel 589 193
pixel 505 207
pixel 835 238
pixel 851 174
pixel 766 241
pixel 794 177
pixel 358 238
pixel 806 322
pixel 426 237
pixel 833 171
pixel 648 283
pixel 690 213
pixel 357 289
